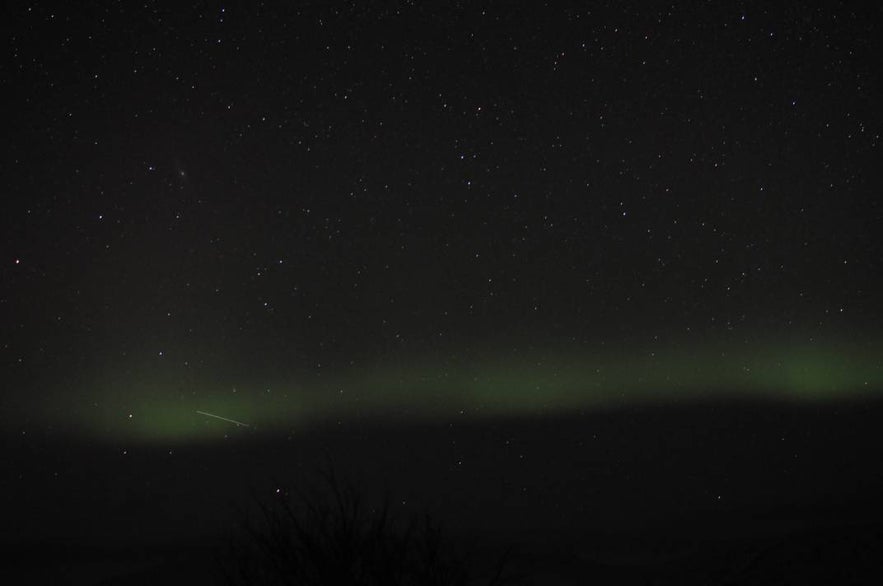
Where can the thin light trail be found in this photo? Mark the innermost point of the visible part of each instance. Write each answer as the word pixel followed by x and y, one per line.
pixel 222 418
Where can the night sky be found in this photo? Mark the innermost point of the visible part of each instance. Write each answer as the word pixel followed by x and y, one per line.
pixel 297 215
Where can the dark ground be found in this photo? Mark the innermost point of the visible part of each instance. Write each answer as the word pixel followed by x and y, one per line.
pixel 738 493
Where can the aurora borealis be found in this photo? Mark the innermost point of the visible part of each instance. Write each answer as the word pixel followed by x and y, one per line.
pixel 154 406
pixel 513 235
pixel 571 271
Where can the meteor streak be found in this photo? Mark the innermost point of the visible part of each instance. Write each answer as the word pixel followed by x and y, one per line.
pixel 238 423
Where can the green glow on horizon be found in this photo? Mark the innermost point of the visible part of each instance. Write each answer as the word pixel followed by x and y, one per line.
pixel 160 406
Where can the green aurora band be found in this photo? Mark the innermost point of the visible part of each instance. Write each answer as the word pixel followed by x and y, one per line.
pixel 160 404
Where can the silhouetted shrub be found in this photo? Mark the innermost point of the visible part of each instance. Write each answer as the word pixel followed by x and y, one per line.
pixel 328 536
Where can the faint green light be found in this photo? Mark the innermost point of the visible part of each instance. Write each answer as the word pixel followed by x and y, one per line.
pixel 547 383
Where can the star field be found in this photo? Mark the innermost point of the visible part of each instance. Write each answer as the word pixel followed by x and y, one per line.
pixel 602 279
pixel 277 195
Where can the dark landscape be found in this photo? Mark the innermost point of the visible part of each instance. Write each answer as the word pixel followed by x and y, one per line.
pixel 744 493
